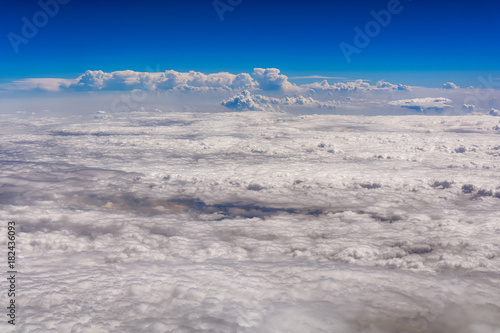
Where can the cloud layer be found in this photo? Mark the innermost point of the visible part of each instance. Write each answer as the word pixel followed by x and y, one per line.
pixel 97 80
pixel 254 222
pixel 268 79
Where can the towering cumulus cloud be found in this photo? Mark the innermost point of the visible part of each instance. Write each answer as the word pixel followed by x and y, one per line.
pixel 271 79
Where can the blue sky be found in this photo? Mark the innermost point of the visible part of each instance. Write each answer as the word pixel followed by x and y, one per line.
pixel 426 41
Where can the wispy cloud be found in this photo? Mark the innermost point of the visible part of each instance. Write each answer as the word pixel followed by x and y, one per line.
pixel 41 84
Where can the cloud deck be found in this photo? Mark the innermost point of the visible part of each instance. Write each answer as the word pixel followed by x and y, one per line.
pixel 177 222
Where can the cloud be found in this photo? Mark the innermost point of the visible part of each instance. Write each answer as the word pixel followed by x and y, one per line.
pixel 253 222
pixel 494 112
pixel 354 86
pixel 271 79
pixel 390 86
pixel 98 80
pixel 450 85
pixel 170 79
pixel 245 101
pixel 265 79
pixel 424 104
pixel 102 115
pixel 42 84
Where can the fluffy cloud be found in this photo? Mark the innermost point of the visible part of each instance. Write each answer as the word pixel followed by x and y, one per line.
pixel 170 79
pixel 390 86
pixel 424 104
pixel 265 79
pixel 357 85
pixel 450 85
pixel 245 101
pixel 271 79
pixel 96 80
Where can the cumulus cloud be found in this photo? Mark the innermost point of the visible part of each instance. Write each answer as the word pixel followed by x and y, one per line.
pixel 96 80
pixel 353 86
pixel 246 101
pixel 450 85
pixel 438 104
pixel 170 79
pixel 390 86
pixel 271 79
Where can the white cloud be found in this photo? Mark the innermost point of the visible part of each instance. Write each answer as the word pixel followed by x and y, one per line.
pixel 265 79
pixel 390 86
pixel 170 79
pixel 353 86
pixel 147 89
pixel 424 104
pixel 450 85
pixel 246 101
pixel 271 79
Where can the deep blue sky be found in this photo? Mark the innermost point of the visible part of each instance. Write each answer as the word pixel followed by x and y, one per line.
pixel 298 37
